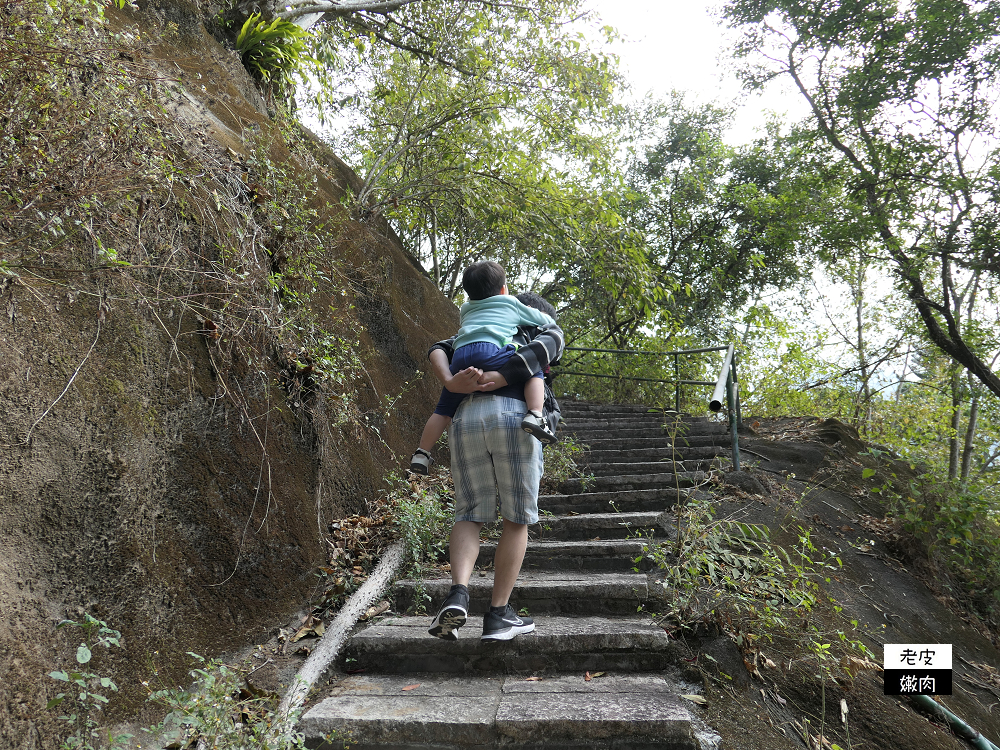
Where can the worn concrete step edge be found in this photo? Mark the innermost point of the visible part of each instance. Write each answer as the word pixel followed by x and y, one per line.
pixel 539 592
pixel 707 452
pixel 622 500
pixel 678 480
pixel 558 643
pixel 603 525
pixel 662 442
pixel 601 469
pixel 561 711
pixel 596 555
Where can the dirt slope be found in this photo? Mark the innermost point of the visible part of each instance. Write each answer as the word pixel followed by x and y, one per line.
pixel 811 473
pixel 179 487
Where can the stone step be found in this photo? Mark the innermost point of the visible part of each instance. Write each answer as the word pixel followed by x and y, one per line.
pixel 538 592
pixel 619 482
pixel 680 453
pixel 572 406
pixel 639 420
pixel 599 469
pixel 621 712
pixel 603 525
pixel 585 434
pixel 629 501
pixel 656 443
pixel 399 645
pixel 626 418
pixel 595 555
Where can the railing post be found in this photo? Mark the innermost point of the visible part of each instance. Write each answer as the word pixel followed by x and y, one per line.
pixel 731 407
pixel 677 384
pixel 736 387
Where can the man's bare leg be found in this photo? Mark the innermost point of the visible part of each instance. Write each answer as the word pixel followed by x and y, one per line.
pixel 501 622
pixel 464 548
pixel 507 561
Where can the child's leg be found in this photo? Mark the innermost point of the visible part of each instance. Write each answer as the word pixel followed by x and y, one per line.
pixel 534 421
pixel 534 395
pixel 433 430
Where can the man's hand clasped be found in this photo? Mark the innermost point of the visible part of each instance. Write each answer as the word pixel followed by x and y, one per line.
pixel 472 380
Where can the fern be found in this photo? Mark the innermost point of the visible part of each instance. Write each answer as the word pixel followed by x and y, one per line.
pixel 273 51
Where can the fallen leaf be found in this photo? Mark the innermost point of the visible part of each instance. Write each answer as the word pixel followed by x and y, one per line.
pixel 598 674
pixel 851 663
pixel 699 699
pixel 533 679
pixel 587 677
pixel 411 687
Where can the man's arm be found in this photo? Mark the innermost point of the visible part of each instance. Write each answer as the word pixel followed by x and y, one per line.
pixel 464 381
pixel 545 348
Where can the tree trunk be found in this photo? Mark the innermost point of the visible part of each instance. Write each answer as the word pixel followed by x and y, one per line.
pixel 864 396
pixel 434 248
pixel 970 436
pixel 956 421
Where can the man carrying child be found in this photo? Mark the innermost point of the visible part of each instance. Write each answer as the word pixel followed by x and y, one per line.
pixel 494 449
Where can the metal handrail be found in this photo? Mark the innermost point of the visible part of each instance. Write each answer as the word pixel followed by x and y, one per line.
pixel 727 382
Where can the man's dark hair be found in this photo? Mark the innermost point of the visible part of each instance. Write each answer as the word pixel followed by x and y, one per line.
pixel 484 279
pixel 538 302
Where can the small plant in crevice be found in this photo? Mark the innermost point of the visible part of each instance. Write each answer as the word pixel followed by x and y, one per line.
pixel 87 692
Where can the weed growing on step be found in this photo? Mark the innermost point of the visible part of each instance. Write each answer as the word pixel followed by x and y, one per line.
pixel 87 692
pixel 424 513
pixel 561 464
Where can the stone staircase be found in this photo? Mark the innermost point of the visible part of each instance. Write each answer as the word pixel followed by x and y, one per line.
pixel 583 586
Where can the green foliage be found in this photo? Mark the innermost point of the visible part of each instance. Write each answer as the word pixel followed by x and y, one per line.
pixel 484 132
pixel 89 691
pixel 561 462
pixel 273 51
pixel 722 224
pixel 424 513
pixel 77 140
pixel 218 712
pixel 960 529
pixel 726 571
pixel 902 101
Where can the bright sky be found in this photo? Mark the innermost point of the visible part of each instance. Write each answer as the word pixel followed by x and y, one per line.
pixel 682 45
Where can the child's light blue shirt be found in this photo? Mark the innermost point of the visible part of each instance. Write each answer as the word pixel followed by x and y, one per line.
pixel 495 320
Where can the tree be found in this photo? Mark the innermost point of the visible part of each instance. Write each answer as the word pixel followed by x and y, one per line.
pixel 490 141
pixel 902 94
pixel 721 223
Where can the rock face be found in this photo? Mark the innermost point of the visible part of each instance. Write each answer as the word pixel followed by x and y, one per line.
pixel 169 467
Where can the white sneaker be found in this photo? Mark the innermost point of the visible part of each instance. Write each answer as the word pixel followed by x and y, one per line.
pixel 536 426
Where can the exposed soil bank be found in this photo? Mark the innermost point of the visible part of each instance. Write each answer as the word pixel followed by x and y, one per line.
pixel 178 490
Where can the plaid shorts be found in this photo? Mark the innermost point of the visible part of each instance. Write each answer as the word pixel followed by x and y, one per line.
pixel 492 456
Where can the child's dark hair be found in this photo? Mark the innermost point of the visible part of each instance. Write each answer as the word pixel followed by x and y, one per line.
pixel 484 279
pixel 538 302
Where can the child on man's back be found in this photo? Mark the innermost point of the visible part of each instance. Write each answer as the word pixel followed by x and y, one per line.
pixel 489 321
